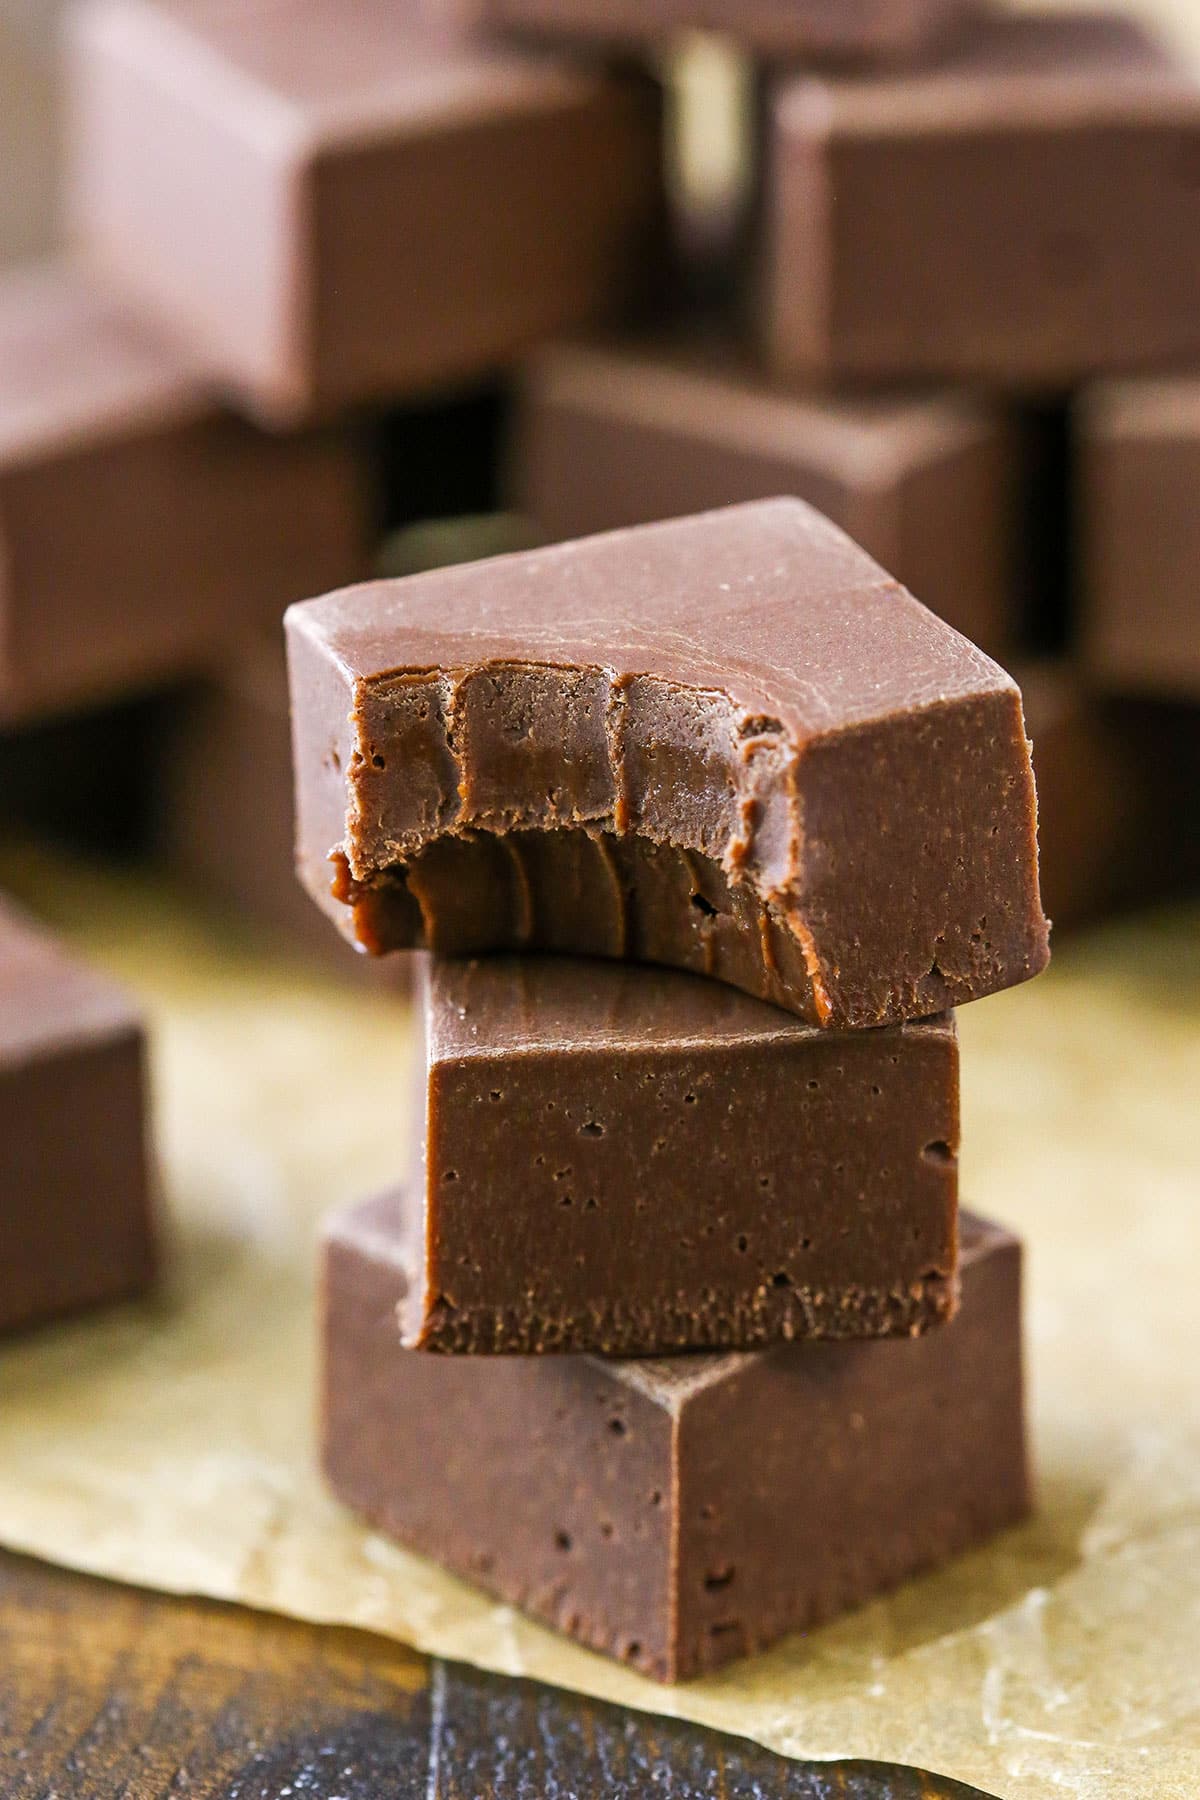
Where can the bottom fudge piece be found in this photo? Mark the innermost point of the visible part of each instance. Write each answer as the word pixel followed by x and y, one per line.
pixel 637 1162
pixel 75 1188
pixel 676 1514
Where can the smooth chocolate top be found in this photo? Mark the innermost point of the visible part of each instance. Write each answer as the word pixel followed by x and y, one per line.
pixel 509 1005
pixel 76 366
pixel 768 604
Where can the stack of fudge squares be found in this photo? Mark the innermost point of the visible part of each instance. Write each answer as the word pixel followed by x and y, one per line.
pixel 314 249
pixel 673 1336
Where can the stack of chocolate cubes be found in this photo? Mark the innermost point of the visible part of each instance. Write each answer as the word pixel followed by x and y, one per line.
pixel 673 1334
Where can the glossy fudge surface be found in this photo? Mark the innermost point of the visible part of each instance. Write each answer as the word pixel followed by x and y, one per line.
pixel 676 1513
pixel 142 530
pixel 639 1161
pixel 835 29
pixel 929 482
pixel 1138 470
pixel 75 1190
pixel 374 210
pixel 730 743
pixel 1020 211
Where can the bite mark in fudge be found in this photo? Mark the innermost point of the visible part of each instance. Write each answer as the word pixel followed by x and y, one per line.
pixel 729 743
pixel 676 1513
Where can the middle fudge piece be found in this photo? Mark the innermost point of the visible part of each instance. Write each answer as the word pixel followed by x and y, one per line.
pixel 636 1161
pixel 730 743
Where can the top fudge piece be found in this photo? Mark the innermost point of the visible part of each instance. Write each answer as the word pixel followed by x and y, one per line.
pixel 787 28
pixel 335 208
pixel 1025 210
pixel 729 743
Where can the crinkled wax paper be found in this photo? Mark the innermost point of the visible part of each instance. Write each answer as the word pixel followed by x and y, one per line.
pixel 172 1444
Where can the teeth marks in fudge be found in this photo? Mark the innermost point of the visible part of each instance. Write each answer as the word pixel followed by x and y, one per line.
pixel 741 709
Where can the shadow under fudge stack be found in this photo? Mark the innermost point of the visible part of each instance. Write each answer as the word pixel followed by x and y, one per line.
pixel 724 753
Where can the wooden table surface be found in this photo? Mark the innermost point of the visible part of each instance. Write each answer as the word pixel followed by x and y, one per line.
pixel 110 1691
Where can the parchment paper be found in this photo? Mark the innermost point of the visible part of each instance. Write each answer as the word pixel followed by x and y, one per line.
pixel 171 1444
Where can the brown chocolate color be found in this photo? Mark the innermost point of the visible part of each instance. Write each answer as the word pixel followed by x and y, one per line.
pixel 637 1161
pixel 28 136
pixel 140 528
pixel 1138 464
pixel 928 483
pixel 676 1514
pixel 816 29
pixel 75 1191
pixel 371 211
pixel 729 743
pixel 223 813
pixel 1116 776
pixel 1024 210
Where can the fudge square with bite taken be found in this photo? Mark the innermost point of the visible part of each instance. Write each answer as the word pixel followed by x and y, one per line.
pixel 730 743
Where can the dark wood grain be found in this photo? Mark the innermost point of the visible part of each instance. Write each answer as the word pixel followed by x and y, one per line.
pixel 109 1692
